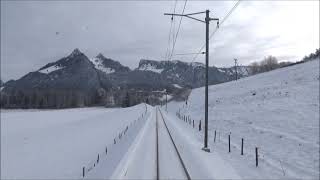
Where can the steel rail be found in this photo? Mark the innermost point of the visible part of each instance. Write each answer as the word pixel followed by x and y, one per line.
pixel 175 147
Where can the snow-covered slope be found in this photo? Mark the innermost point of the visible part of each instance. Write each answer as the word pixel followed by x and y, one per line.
pixel 277 111
pixel 56 144
pixel 50 69
pixel 98 65
pixel 107 65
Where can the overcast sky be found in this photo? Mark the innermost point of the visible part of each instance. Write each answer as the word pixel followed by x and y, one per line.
pixel 128 31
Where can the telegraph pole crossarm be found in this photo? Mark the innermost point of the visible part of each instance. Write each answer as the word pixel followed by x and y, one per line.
pixel 206 21
pixel 186 15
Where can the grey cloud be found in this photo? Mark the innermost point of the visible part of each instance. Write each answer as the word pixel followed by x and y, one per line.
pixel 126 31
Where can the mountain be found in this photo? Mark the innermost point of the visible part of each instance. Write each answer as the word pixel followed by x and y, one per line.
pixel 189 74
pixel 107 65
pixel 68 82
pixel 76 80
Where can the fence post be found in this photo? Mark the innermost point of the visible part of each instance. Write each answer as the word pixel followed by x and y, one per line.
pixel 193 123
pixel 256 157
pixel 106 150
pixel 229 144
pixel 98 159
pixel 114 141
pixel 200 125
pixel 241 146
pixel 83 170
pixel 215 134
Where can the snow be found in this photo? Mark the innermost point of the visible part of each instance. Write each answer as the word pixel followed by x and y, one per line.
pixel 277 111
pixel 197 64
pixel 177 86
pixel 116 152
pixel 56 144
pixel 1 88
pixel 200 164
pixel 99 65
pixel 221 70
pixel 142 155
pixel 50 69
pixel 163 97
pixel 149 67
pixel 169 163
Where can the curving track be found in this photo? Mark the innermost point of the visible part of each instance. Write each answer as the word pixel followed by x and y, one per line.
pixel 169 162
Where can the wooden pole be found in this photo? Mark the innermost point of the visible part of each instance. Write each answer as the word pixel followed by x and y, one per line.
pixel 229 144
pixel 241 146
pixel 256 157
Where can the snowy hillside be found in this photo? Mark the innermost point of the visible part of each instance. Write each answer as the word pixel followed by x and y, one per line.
pixel 277 111
pixel 56 144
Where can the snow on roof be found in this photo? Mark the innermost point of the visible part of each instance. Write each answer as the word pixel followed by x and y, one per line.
pixel 221 70
pixel 98 65
pixel 177 86
pixel 50 69
pixel 149 67
pixel 163 97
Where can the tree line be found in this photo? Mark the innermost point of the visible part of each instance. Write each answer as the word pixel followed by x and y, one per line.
pixel 270 63
pixel 70 98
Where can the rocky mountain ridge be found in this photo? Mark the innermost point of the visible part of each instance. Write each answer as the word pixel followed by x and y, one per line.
pixel 77 80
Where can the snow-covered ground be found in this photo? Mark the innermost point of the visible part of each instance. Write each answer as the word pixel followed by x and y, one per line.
pixel 140 161
pixel 277 111
pixel 56 144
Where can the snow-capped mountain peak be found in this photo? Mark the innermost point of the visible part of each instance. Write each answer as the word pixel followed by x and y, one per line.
pixel 98 64
pixel 148 65
pixel 108 65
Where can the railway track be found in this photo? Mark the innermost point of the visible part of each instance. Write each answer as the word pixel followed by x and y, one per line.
pixel 168 159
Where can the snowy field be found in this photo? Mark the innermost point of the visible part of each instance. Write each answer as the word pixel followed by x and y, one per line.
pixel 277 111
pixel 56 144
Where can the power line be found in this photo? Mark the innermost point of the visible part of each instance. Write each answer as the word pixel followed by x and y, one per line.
pixel 175 40
pixel 174 27
pixel 169 39
pixel 181 54
pixel 222 21
pixel 168 47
